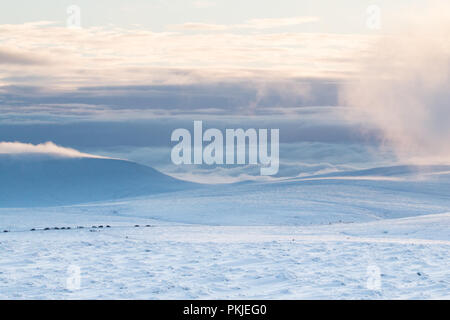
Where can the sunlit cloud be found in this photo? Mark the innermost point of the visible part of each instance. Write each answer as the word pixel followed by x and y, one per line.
pixel 65 59
pixel 256 24
pixel 111 72
pixel 47 148
pixel 404 87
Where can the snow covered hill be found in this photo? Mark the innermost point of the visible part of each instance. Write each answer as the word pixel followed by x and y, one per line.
pixel 382 233
pixel 42 180
pixel 410 172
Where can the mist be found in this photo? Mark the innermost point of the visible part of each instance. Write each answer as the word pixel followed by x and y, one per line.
pixel 403 87
pixel 47 148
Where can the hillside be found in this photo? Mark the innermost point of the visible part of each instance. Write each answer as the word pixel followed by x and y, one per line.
pixel 30 180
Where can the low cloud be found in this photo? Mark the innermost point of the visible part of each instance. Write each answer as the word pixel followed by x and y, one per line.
pixel 16 57
pixel 254 97
pixel 253 24
pixel 47 148
pixel 404 87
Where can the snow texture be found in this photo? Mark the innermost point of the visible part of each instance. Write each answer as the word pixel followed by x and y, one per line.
pixel 378 234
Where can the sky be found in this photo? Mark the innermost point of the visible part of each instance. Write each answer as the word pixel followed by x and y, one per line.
pixel 98 75
pixel 344 16
pixel 116 59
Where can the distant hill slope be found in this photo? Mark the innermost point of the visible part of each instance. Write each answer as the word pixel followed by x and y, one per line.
pixel 27 181
pixel 392 171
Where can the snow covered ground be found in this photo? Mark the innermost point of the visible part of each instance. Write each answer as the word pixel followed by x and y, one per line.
pixel 330 238
pixel 409 258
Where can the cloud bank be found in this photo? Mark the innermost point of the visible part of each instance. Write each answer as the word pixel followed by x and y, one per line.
pixel 124 57
pixel 47 148
pixel 49 71
pixel 404 87
pixel 252 24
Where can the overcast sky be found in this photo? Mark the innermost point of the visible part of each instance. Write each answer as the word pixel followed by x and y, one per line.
pixel 113 60
pixel 108 73
pixel 345 16
pixel 265 52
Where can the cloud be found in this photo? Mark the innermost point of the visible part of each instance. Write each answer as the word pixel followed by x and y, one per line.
pixel 16 57
pixel 203 4
pixel 105 103
pixel 269 23
pixel 255 24
pixel 47 148
pixel 404 87
pixel 298 160
pixel 111 56
pixel 200 26
pixel 109 72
